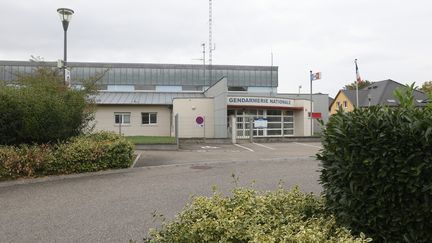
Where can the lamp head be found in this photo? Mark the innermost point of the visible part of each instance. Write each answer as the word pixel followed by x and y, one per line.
pixel 65 16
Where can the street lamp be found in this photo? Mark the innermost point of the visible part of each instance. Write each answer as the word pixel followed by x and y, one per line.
pixel 65 17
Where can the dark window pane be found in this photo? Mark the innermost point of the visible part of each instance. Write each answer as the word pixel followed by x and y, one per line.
pixel 274 119
pixel 289 132
pixel 288 119
pixel 145 118
pixel 288 125
pixel 274 125
pixel 117 119
pixel 273 132
pixel 153 118
pixel 274 112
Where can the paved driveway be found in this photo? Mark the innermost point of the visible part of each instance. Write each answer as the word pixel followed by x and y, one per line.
pixel 118 206
pixel 205 153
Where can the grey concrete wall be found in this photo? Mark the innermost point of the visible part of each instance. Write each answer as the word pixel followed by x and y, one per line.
pixel 219 92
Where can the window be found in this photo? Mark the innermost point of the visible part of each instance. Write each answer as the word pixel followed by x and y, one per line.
pixel 192 88
pixel 122 117
pixel 148 118
pixel 338 104
pixel 236 88
pixel 345 104
pixel 120 87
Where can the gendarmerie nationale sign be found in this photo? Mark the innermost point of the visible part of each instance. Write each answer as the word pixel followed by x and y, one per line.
pixel 260 101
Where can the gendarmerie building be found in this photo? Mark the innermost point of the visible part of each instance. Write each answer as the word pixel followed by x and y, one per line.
pixel 211 102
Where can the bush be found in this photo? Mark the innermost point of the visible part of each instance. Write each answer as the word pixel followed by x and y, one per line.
pixel 92 153
pixel 248 216
pixel 80 154
pixel 377 171
pixel 24 161
pixel 39 108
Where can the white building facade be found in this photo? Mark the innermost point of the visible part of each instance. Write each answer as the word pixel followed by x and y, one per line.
pixel 218 101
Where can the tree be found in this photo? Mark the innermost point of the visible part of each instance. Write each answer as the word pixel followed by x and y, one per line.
pixel 39 108
pixel 363 84
pixel 427 87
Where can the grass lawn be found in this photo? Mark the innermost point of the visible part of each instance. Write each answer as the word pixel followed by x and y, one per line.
pixel 151 140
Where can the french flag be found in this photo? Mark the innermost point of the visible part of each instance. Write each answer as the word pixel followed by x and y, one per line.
pixel 358 78
pixel 315 76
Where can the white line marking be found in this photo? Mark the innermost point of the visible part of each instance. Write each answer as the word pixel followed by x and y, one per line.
pixel 308 145
pixel 243 147
pixel 135 161
pixel 262 145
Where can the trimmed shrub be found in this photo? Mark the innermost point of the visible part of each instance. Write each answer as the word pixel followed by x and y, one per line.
pixel 377 171
pixel 24 161
pixel 39 108
pixel 248 216
pixel 94 152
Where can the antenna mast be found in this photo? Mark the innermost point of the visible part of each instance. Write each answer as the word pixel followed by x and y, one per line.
pixel 204 64
pixel 212 47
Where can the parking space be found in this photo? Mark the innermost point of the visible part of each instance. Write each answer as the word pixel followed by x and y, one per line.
pixel 217 153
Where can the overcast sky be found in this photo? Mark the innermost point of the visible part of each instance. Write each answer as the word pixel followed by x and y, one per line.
pixel 390 38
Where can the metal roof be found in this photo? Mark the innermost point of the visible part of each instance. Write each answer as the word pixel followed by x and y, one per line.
pixel 142 98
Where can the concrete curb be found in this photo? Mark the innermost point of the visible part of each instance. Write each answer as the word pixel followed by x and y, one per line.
pixel 26 181
pixel 163 147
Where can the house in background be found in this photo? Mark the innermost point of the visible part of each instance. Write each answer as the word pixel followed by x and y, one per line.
pixel 378 93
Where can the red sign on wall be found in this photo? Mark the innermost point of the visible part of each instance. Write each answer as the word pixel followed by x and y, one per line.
pixel 316 115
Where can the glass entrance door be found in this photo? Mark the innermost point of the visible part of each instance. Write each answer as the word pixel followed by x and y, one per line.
pixel 279 123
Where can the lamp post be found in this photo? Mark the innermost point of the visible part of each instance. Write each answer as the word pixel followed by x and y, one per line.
pixel 65 17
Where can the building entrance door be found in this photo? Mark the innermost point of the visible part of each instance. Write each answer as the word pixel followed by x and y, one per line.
pixel 279 122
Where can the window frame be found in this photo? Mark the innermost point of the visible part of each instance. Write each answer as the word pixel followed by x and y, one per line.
pixel 149 116
pixel 122 115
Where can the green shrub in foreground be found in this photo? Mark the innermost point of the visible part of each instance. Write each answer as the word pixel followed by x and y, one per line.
pixel 248 216
pixel 94 152
pixel 377 172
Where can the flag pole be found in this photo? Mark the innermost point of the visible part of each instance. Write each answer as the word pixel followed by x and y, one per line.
pixel 357 82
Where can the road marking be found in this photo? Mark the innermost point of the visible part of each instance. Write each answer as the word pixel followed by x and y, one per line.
pixel 209 147
pixel 308 145
pixel 262 145
pixel 135 161
pixel 243 147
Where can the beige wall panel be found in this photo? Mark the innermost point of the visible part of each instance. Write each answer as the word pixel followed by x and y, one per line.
pixel 104 120
pixel 189 110
pixel 301 119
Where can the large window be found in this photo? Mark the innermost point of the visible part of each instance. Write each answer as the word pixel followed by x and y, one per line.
pixel 279 122
pixel 122 118
pixel 149 118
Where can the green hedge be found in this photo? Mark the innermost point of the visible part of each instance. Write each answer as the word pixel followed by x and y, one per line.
pixel 39 108
pixel 377 171
pixel 95 152
pixel 249 216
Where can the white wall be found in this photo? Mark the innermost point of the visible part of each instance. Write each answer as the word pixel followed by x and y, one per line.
pixel 188 110
pixel 104 120
pixel 301 119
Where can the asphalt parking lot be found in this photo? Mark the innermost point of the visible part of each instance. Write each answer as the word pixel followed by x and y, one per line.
pixel 212 153
pixel 119 205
